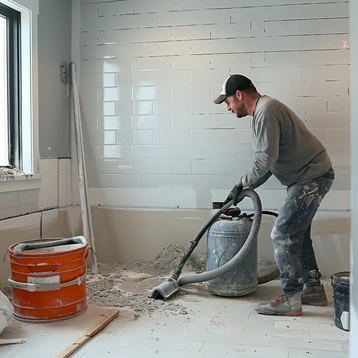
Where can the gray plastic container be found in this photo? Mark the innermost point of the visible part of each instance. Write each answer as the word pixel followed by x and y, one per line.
pixel 225 239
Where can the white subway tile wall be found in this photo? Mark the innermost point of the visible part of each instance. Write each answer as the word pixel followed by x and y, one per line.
pixel 150 69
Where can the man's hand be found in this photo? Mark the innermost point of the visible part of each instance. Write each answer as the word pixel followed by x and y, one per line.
pixel 234 193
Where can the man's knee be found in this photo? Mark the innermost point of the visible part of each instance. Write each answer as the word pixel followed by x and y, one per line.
pixel 279 242
pixel 277 234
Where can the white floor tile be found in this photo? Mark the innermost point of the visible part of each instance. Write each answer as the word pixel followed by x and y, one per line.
pixel 228 338
pixel 244 350
pixel 330 327
pixel 304 353
pixel 275 332
pixel 214 326
pixel 306 344
pixel 345 346
pixel 338 335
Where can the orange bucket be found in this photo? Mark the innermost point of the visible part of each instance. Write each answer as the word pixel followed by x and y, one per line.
pixel 48 278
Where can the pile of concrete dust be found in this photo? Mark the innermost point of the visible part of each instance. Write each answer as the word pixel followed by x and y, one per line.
pixel 265 266
pixel 130 285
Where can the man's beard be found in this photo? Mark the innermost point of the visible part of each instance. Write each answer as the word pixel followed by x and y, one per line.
pixel 236 113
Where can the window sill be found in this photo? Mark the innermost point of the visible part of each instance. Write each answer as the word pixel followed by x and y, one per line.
pixel 19 182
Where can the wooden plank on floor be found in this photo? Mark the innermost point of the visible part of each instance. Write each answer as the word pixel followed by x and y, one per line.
pixel 11 341
pixel 101 324
pixel 73 347
pixel 80 341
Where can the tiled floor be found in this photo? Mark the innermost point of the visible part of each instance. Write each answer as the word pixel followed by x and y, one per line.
pixel 212 327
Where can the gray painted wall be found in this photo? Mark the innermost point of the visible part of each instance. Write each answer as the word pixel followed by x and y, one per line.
pixel 54 47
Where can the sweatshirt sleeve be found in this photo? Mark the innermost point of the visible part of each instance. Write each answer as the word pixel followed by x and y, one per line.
pixel 262 180
pixel 267 139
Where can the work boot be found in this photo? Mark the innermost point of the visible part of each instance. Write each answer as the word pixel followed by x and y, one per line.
pixel 282 306
pixel 314 295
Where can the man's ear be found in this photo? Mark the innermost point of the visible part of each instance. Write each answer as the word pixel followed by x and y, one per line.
pixel 239 94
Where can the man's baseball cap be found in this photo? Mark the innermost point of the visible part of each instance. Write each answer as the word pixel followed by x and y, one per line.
pixel 231 85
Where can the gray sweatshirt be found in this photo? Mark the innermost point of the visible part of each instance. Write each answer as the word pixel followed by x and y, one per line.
pixel 283 146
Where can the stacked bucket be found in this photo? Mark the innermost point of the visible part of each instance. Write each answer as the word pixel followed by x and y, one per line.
pixel 48 279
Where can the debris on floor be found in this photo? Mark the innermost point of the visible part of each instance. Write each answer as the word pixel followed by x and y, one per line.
pixel 129 285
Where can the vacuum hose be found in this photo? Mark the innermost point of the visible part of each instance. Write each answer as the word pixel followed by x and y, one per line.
pixel 240 256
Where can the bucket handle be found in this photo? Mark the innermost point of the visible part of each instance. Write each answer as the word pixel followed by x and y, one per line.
pixel 33 287
pixel 85 253
pixel 7 251
pixel 43 267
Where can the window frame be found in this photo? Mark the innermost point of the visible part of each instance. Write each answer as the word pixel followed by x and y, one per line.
pixel 14 85
pixel 29 125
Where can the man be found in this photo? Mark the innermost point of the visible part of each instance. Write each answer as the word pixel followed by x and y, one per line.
pixel 285 148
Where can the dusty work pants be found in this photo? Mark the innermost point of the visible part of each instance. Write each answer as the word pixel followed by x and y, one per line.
pixel 291 234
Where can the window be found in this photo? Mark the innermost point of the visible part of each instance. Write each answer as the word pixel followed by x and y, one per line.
pixel 10 87
pixel 19 139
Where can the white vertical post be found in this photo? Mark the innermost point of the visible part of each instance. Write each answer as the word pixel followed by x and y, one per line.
pixel 85 206
pixel 353 349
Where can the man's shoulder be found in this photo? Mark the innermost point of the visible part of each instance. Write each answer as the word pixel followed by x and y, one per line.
pixel 268 102
pixel 269 108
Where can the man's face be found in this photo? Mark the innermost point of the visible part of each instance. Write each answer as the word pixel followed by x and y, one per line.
pixel 236 105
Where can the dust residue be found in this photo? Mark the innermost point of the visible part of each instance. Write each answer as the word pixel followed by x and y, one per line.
pixel 130 285
pixel 264 266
